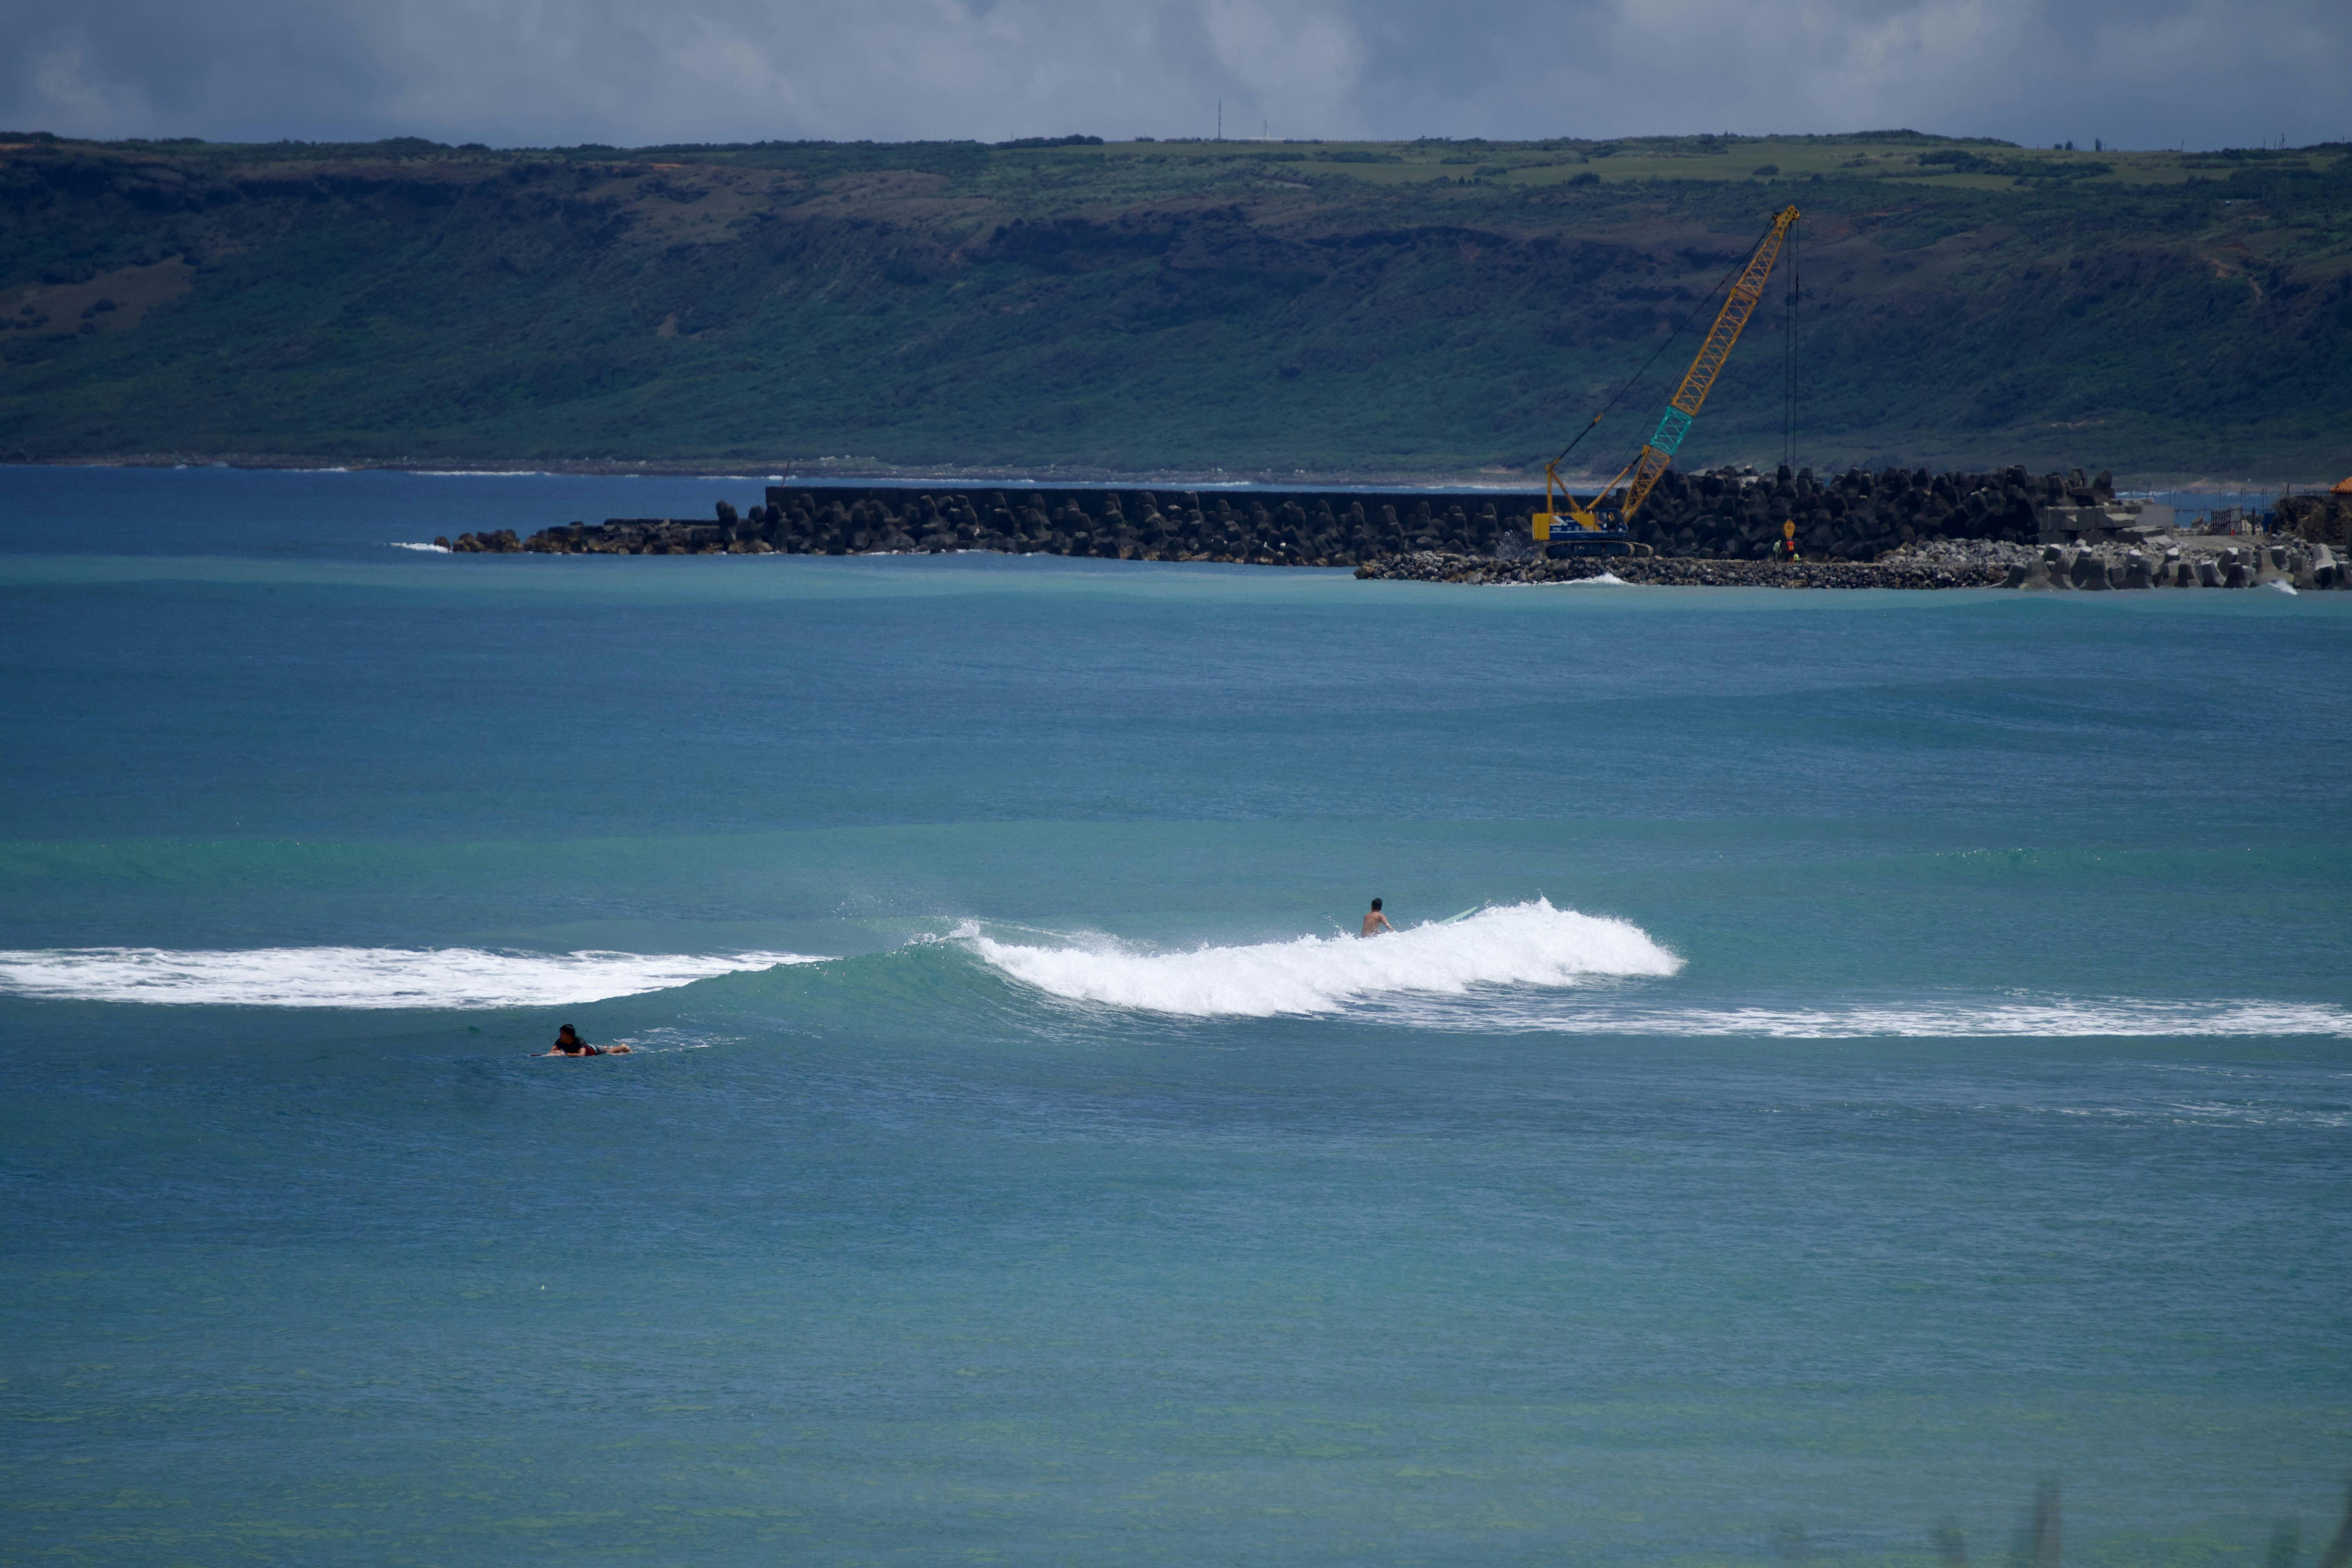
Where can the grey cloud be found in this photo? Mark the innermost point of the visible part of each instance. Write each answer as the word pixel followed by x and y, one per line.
pixel 2136 72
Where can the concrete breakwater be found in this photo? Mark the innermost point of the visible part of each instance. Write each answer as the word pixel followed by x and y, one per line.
pixel 1720 514
pixel 2190 563
pixel 2158 561
pixel 1279 528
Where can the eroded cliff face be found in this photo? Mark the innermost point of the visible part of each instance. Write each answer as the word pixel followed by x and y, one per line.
pixel 1147 305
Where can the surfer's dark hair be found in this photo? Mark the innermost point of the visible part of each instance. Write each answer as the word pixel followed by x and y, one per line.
pixel 565 1029
pixel 1376 904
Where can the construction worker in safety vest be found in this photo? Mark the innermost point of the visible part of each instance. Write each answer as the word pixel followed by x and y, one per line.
pixel 1787 549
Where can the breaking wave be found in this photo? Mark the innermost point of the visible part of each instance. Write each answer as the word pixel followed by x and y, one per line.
pixel 1518 969
pixel 453 977
pixel 1518 945
pixel 1532 968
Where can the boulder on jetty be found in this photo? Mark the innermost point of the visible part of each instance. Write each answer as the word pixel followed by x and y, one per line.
pixel 502 542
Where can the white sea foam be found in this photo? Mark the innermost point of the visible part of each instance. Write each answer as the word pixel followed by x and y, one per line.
pixel 2120 1018
pixel 413 544
pixel 655 1042
pixel 1531 968
pixel 1519 944
pixel 456 977
pixel 1606 580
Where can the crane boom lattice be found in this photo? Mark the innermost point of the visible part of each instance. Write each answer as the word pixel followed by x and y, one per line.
pixel 1657 454
pixel 1684 406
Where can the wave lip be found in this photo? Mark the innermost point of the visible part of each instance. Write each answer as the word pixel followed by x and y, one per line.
pixel 464 978
pixel 1516 944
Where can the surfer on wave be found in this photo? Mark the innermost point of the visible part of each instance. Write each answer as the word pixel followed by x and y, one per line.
pixel 1375 922
pixel 568 1043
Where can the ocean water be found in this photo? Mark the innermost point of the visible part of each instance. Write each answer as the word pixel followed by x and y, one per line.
pixel 1848 1059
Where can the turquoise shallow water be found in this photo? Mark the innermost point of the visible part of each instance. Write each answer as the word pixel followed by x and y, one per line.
pixel 1903 1053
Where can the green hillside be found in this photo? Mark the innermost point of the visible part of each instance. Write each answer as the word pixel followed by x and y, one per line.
pixel 1139 307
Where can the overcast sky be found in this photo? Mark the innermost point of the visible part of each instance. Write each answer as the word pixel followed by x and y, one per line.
pixel 2140 73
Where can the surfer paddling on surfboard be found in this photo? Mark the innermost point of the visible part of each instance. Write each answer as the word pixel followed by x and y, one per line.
pixel 568 1043
pixel 1375 922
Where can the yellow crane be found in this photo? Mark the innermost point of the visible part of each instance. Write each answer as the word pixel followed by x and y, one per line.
pixel 1658 453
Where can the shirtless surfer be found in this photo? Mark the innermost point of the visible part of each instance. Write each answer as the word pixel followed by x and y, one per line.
pixel 1375 922
pixel 568 1043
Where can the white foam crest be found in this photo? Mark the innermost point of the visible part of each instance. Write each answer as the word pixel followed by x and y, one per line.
pixel 415 545
pixel 1518 944
pixel 2117 1017
pixel 452 977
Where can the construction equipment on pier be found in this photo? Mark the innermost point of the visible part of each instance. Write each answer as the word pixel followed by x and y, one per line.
pixel 1658 453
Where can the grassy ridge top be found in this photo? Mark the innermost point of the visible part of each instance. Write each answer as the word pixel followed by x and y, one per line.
pixel 1334 307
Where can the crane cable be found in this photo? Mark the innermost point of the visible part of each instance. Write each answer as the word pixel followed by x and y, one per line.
pixel 1737 268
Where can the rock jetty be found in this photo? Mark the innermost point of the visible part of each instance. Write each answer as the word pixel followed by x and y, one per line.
pixel 2193 560
pixel 1671 571
pixel 1286 528
pixel 1714 515
pixel 2158 561
pixel 1895 529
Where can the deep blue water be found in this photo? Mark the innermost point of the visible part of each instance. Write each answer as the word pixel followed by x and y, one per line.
pixel 1902 1054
